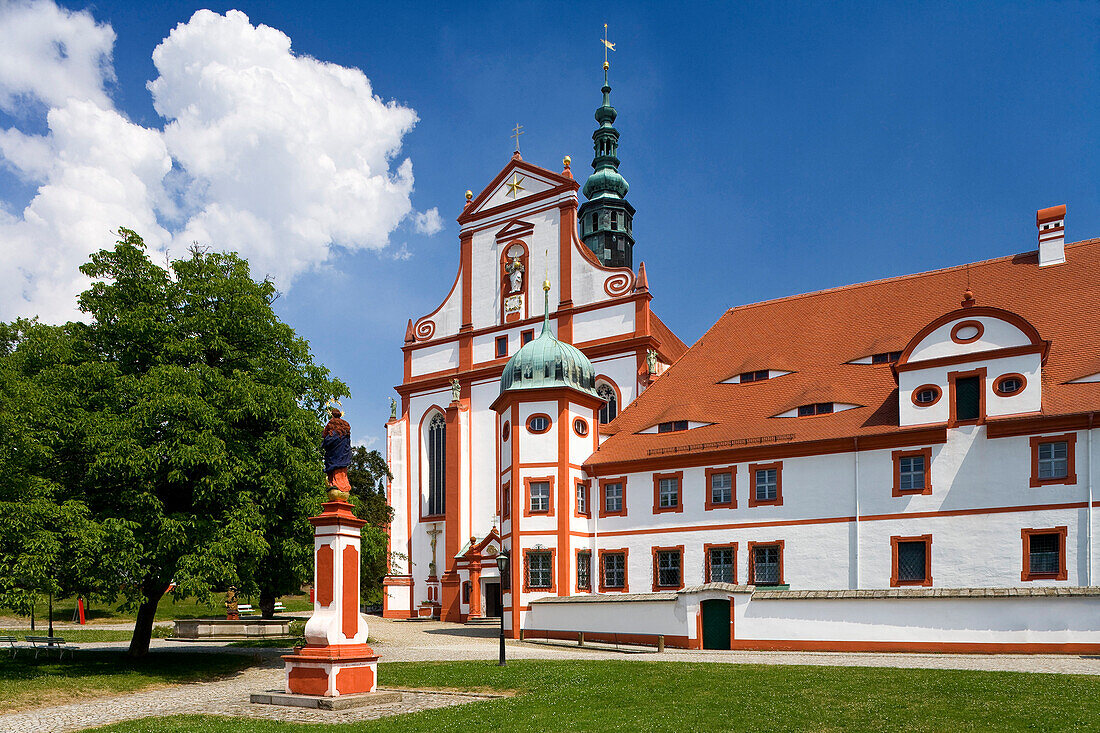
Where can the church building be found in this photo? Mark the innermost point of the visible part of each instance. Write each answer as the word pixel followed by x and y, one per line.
pixel 905 464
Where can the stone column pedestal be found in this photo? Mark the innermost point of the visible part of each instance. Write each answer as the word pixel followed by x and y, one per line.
pixel 336 659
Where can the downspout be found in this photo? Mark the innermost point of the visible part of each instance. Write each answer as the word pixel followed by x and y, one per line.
pixel 855 454
pixel 594 561
pixel 1088 546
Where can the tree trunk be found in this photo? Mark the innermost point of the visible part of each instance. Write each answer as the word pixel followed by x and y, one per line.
pixel 143 627
pixel 51 613
pixel 267 603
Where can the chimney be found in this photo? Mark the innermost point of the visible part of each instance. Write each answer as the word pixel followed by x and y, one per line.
pixel 1052 235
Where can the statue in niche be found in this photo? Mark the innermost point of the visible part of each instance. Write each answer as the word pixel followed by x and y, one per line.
pixel 456 390
pixel 515 275
pixel 393 409
pixel 651 361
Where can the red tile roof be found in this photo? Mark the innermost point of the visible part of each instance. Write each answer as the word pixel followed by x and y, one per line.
pixel 815 334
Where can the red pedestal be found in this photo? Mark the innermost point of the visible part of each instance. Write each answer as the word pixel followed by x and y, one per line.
pixel 336 659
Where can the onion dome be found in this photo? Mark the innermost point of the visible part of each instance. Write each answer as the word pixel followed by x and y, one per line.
pixel 548 362
pixel 606 179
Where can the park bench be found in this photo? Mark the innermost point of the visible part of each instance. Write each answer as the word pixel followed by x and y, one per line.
pixel 50 642
pixel 243 608
pixel 10 640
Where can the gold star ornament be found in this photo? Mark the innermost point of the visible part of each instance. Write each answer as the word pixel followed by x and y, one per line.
pixel 514 186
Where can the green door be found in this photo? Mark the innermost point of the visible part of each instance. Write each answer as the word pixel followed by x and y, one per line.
pixel 716 624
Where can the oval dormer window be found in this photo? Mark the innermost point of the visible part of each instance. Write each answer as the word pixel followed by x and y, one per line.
pixel 580 427
pixel 1009 384
pixel 966 332
pixel 505 431
pixel 926 395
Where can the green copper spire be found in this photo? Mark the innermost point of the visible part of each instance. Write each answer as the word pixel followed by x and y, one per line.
pixel 606 219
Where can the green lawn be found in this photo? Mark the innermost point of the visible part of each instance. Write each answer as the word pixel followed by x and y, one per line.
pixel 669 696
pixel 167 609
pixel 25 682
pixel 77 636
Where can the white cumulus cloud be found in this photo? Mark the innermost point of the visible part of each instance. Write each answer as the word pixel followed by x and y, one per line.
pixel 280 157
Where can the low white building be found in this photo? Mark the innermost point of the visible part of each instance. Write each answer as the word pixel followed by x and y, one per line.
pixel 901 464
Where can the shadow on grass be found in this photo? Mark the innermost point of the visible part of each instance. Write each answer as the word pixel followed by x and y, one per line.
pixel 158 667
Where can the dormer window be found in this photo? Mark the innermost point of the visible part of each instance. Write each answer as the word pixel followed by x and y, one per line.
pixel 887 357
pixel 926 395
pixel 757 376
pixel 674 426
pixel 819 408
pixel 1009 384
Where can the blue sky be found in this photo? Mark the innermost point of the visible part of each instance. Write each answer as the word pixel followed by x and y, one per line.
pixel 772 148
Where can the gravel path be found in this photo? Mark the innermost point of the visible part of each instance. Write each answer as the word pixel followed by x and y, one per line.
pixel 415 641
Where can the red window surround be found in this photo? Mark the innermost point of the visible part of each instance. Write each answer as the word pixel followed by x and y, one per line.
pixel 898 455
pixel 1070 439
pixel 553 571
pixel 592 570
pixel 753 468
pixel 953 420
pixel 657 508
pixel 587 485
pixel 506 501
pixel 1025 571
pixel 732 471
pixel 706 560
pixel 603 505
pixel 927 582
pixel 549 423
pixel 752 554
pixel 656 576
pixel 527 481
pixel 626 568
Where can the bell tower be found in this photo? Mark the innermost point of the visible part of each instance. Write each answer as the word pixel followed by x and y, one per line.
pixel 606 219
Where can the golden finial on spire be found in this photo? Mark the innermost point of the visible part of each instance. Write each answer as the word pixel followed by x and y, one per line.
pixel 607 46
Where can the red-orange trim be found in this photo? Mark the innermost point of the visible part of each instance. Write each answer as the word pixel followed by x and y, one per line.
pixel 1041 349
pixel 895 582
pixel 952 377
pixel 1070 439
pixel 897 456
pixel 587 486
pixel 325 576
pixel 657 477
pixel 527 481
pixel 584 422
pixel 978 326
pixel 506 500
pixel 307 680
pixel 679 549
pixel 603 504
pixel 923 387
pixel 708 492
pixel 706 561
pixel 349 593
pixel 626 568
pixel 506 431
pixel 549 423
pixel 752 559
pixel 778 500
pixel 355 680
pixel 1010 427
pixel 1025 571
pixel 552 552
pixel 1004 378
pixel 968 313
pixel 576 574
pixel 934 647
pixel 672 641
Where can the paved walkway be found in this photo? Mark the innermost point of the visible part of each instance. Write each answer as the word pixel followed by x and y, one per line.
pixel 397 641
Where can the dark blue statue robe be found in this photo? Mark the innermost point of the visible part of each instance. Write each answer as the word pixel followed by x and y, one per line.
pixel 336 443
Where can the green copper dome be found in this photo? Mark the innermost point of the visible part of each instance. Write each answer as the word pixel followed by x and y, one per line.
pixel 547 362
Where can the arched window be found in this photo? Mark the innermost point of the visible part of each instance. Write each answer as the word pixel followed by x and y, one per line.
pixel 437 465
pixel 611 404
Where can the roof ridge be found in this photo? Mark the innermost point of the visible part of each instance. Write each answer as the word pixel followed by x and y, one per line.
pixel 898 278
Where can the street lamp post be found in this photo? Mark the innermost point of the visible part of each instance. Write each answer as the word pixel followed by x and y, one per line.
pixel 502 566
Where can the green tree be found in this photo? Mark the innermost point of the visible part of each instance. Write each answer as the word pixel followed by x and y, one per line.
pixel 193 425
pixel 368 475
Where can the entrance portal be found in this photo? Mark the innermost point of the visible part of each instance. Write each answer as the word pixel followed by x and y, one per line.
pixel 492 599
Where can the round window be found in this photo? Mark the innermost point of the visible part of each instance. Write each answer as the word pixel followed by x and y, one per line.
pixel 928 394
pixel 966 332
pixel 1009 384
pixel 580 427
pixel 505 431
pixel 538 423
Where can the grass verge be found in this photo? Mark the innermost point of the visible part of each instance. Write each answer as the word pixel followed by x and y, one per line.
pixel 25 682
pixel 664 696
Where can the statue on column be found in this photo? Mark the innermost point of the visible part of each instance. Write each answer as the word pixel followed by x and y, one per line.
pixel 336 443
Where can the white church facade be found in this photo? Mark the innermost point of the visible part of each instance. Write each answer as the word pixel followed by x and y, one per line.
pixel 903 464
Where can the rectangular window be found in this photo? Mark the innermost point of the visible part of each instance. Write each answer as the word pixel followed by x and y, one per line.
pixel 502 346
pixel 669 489
pixel 666 570
pixel 818 408
pixel 614 220
pixel 767 564
pixel 967 398
pixel 614 497
pixel 540 497
pixel 1052 460
pixel 613 570
pixel 584 570
pixel 1044 554
pixel 767 484
pixel 912 471
pixel 506 501
pixel 757 376
pixel 527 336
pixel 886 358
pixel 721 488
pixel 540 570
pixel 582 498
pixel 672 427
pixel 912 560
pixel 721 565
